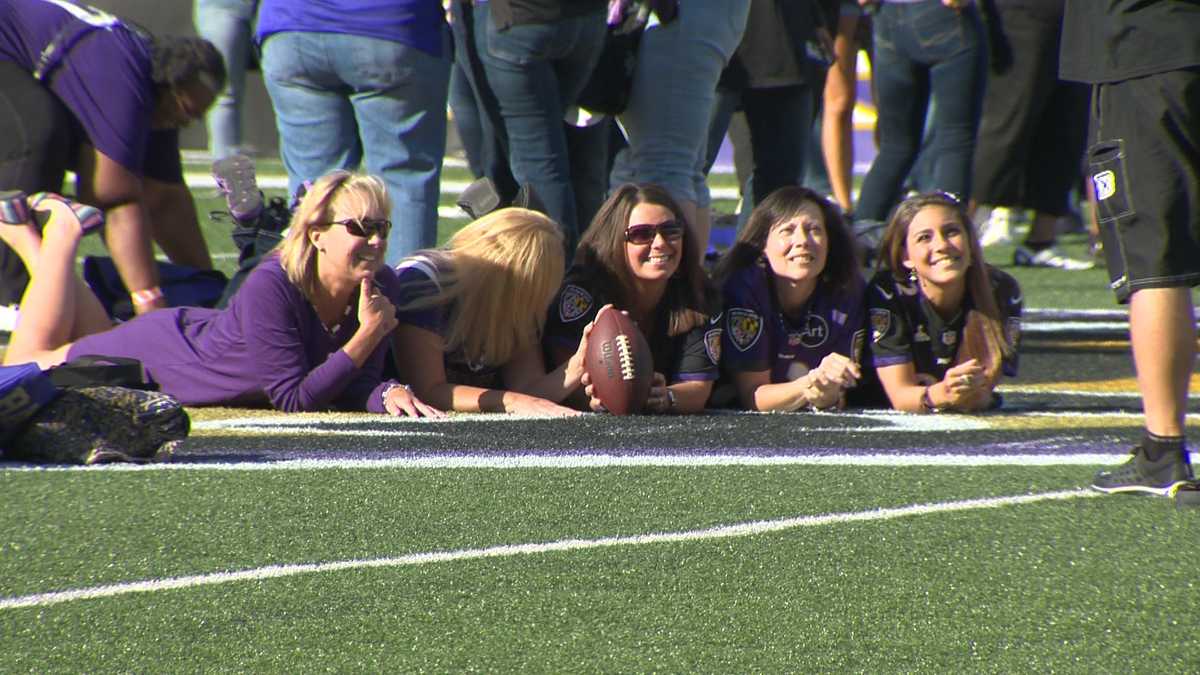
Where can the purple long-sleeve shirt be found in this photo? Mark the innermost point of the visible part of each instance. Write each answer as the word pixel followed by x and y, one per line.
pixel 268 347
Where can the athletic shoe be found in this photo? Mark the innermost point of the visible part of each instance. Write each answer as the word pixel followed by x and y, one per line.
pixel 1187 496
pixel 235 179
pixel 1141 475
pixel 1024 256
pixel 999 225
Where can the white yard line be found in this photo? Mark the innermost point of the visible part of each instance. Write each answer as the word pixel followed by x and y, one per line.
pixel 562 545
pixel 600 460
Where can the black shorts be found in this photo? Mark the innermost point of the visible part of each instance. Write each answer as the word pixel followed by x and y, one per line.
pixel 37 145
pixel 1144 168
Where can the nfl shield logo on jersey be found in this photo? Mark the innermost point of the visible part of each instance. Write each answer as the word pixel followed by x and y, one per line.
pixel 881 321
pixel 744 327
pixel 575 302
pixel 712 345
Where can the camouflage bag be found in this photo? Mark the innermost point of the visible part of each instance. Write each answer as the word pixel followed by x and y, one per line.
pixel 94 425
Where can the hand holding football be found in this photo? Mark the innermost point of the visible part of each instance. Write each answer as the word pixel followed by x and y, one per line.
pixel 619 365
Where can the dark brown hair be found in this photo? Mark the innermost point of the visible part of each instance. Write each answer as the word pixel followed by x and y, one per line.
pixel 600 259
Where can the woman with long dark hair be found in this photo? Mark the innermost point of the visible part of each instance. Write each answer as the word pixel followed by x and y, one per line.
pixel 793 312
pixel 640 256
pixel 944 324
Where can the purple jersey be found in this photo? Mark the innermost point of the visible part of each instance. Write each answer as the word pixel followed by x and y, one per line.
pixel 99 69
pixel 418 277
pixel 267 347
pixel 689 356
pixel 758 336
pixel 905 327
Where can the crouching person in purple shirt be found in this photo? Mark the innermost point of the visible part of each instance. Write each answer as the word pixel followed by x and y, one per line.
pixel 306 331
pixel 793 294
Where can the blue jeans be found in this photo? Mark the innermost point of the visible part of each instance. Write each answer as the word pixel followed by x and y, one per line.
pixel 469 25
pixel 674 90
pixel 345 100
pixel 924 50
pixel 536 71
pixel 227 24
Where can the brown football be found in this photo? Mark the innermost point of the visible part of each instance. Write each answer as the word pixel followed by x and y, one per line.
pixel 619 363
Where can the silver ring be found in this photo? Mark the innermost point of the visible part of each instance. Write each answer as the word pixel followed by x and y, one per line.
pixel 966 379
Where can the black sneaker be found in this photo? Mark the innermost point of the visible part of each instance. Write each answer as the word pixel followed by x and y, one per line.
pixel 1187 496
pixel 235 179
pixel 1141 475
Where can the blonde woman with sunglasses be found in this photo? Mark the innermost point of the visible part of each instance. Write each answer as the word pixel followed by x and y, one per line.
pixel 640 255
pixel 306 331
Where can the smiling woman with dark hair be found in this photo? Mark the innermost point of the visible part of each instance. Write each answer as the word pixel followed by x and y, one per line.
pixel 944 324
pixel 640 255
pixel 793 306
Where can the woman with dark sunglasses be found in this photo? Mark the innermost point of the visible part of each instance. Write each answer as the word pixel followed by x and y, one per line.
pixel 306 331
pixel 640 255
pixel 793 307
pixel 471 316
pixel 944 324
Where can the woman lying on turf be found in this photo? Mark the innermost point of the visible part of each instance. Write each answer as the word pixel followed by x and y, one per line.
pixel 639 254
pixel 944 323
pixel 793 297
pixel 306 331
pixel 471 318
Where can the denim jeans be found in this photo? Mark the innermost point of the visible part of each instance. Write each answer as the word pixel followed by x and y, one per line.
pixel 227 24
pixel 345 100
pixel 674 90
pixel 536 71
pixel 469 25
pixel 924 50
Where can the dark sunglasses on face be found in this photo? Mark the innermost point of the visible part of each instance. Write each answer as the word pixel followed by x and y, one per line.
pixel 644 234
pixel 366 228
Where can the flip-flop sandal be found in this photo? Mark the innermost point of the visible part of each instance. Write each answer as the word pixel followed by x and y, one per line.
pixel 90 218
pixel 14 207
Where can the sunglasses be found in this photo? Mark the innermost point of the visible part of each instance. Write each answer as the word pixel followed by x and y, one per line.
pixel 366 228
pixel 644 234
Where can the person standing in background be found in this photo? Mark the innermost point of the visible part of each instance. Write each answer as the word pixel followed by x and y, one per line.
pixel 1142 59
pixel 363 82
pixel 927 52
pixel 229 25
pixel 670 107
pixel 1031 136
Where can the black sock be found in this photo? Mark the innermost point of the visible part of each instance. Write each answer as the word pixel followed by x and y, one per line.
pixel 1156 447
pixel 1036 246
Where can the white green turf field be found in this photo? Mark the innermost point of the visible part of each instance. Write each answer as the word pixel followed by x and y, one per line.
pixel 862 541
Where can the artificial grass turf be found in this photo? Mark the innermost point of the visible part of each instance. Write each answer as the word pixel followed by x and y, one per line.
pixel 82 528
pixel 1052 586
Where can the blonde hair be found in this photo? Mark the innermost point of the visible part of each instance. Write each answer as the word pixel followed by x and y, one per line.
pixel 335 196
pixel 893 250
pixel 502 273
